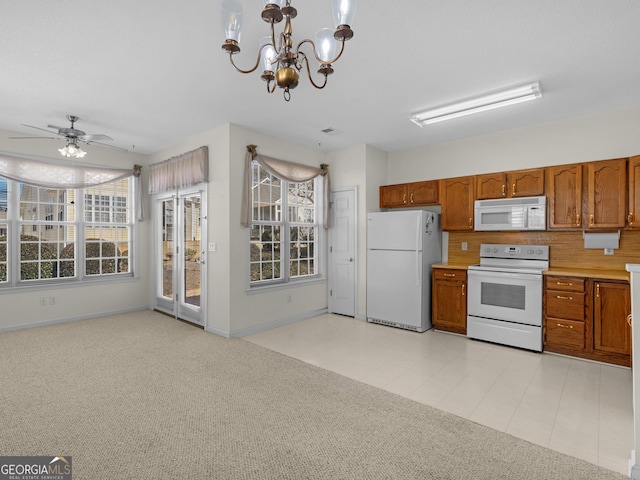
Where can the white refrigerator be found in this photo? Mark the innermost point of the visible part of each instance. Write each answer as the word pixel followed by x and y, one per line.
pixel 401 247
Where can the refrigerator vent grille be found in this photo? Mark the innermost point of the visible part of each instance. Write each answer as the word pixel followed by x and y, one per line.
pixel 394 324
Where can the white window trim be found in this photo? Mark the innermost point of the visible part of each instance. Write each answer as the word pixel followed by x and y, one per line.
pixel 287 282
pixel 14 284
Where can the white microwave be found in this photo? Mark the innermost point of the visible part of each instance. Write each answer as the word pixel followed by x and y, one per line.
pixel 524 213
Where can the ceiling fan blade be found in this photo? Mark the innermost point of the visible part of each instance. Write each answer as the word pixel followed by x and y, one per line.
pixel 33 138
pixel 95 137
pixel 42 129
pixel 107 145
pixel 55 126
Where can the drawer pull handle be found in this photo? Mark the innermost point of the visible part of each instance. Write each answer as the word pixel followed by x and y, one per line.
pixel 504 190
pixel 578 219
pixel 629 319
pixel 560 297
pixel 565 326
pixel 513 189
pixel 463 287
pixel 470 222
pixel 404 198
pixel 565 284
pixel 449 274
pixel 598 290
pixel 630 219
pixel 411 198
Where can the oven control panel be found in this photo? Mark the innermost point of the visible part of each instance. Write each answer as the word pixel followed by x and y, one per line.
pixel 523 252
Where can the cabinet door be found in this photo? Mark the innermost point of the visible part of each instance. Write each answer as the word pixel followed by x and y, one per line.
pixel 457 203
pixel 491 185
pixel 612 304
pixel 423 193
pixel 634 192
pixel 450 301
pixel 526 183
pixel 607 201
pixel 565 196
pixel 393 196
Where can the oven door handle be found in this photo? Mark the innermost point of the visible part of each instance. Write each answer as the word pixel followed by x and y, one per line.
pixel 503 275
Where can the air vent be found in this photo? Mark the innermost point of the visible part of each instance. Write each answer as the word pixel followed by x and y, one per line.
pixel 330 131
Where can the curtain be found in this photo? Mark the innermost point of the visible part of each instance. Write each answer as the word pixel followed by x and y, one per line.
pixel 49 174
pixel 182 171
pixel 293 172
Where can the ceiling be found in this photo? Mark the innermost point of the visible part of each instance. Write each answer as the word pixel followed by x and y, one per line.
pixel 151 73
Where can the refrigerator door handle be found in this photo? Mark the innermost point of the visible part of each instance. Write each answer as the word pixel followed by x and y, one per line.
pixel 417 247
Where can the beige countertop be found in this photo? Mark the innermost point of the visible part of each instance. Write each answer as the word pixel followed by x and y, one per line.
pixel 589 273
pixel 455 266
pixel 564 271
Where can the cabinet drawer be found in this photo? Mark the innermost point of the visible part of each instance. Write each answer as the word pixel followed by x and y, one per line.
pixel 568 284
pixel 568 305
pixel 566 333
pixel 444 274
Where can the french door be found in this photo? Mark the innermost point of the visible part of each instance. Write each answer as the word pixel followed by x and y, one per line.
pixel 180 254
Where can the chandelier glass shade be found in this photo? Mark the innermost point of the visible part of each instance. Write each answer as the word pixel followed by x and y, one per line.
pixel 72 150
pixel 278 59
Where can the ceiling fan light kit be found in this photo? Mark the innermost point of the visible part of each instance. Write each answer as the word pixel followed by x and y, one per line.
pixel 72 150
pixel 502 98
pixel 73 136
pixel 279 60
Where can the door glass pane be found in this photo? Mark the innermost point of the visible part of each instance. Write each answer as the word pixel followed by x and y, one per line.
pixel 192 249
pixel 167 248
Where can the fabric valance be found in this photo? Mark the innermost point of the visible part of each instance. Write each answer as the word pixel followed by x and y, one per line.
pixel 293 172
pixel 50 174
pixel 178 172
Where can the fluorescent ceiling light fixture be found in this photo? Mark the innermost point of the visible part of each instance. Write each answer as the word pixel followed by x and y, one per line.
pixel 503 98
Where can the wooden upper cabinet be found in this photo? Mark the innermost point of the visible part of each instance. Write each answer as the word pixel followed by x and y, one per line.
pixel 519 183
pixel 424 193
pixel 526 183
pixel 564 192
pixel 491 185
pixel 607 194
pixel 393 195
pixel 409 194
pixel 458 195
pixel 634 192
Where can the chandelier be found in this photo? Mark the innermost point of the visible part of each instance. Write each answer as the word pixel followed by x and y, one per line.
pixel 280 61
pixel 72 150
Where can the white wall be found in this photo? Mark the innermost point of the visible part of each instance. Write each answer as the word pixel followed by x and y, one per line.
pixel 231 310
pixel 365 167
pixel 76 301
pixel 613 134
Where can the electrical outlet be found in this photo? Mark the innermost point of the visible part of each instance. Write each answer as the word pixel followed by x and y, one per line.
pixel 464 246
pixel 212 246
pixel 52 300
pixel 608 251
pixel 43 300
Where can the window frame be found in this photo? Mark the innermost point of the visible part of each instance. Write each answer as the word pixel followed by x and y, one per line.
pixel 281 210
pixel 15 225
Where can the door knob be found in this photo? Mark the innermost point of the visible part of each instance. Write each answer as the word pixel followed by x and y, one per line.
pixel 349 259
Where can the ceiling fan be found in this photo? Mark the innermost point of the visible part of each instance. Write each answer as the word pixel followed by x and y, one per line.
pixel 72 135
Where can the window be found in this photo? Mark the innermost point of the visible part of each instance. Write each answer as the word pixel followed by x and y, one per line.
pixel 68 234
pixel 284 229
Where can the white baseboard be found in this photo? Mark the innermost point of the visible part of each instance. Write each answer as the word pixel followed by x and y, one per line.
pixel 71 319
pixel 243 332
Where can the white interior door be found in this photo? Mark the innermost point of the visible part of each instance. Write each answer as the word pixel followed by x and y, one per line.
pixel 180 254
pixel 342 253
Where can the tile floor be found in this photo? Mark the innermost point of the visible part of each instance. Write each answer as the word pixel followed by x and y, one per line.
pixel 580 408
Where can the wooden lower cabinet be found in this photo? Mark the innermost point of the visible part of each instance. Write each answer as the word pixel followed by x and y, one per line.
pixel 449 300
pixel 587 318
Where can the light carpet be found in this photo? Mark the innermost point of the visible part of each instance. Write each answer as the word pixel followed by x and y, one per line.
pixel 143 396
